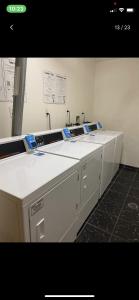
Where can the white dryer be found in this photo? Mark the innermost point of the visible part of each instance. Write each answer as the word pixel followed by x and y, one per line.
pixel 39 197
pixel 93 128
pixel 118 147
pixel 90 157
pixel 108 143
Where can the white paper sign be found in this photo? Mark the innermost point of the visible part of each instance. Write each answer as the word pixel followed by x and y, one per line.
pixel 7 69
pixel 49 87
pixel 54 88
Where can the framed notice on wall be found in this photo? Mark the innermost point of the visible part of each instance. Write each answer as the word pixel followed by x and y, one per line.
pixel 54 88
pixel 7 69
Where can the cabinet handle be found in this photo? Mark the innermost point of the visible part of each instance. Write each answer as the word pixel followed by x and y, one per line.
pixel 84 177
pixel 40 230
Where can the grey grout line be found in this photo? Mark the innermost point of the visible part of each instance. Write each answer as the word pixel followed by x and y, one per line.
pixel 100 229
pixel 107 212
pixel 133 196
pixel 122 208
pixel 127 182
pixel 116 236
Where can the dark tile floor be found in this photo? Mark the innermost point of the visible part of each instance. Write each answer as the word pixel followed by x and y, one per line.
pixel 116 216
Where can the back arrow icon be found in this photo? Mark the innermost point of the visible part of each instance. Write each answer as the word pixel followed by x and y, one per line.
pixel 11 27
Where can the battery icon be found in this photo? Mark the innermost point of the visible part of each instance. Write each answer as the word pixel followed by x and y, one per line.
pixel 130 10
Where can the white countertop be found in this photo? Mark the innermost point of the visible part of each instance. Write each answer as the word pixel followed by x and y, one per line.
pixel 23 174
pixel 74 149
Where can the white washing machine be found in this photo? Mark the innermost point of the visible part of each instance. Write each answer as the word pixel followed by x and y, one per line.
pixel 118 147
pixel 39 198
pixel 90 157
pixel 118 141
pixel 108 143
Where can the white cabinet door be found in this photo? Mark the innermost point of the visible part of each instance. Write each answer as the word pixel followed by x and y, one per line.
pixel 90 176
pixel 107 165
pixel 53 216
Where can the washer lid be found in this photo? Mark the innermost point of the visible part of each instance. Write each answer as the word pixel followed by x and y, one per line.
pixel 109 133
pixel 99 139
pixel 24 174
pixel 73 149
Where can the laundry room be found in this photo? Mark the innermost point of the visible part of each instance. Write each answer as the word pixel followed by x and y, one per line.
pixel 69 150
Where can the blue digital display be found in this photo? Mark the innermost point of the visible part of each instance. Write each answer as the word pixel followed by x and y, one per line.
pixel 67 133
pixel 87 128
pixel 30 142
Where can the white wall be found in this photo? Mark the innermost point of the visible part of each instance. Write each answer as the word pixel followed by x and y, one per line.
pixel 5 119
pixel 80 78
pixel 116 102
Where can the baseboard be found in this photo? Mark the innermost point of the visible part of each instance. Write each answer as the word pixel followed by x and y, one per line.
pixel 128 167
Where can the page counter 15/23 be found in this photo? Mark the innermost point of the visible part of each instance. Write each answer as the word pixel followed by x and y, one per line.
pixel 123 27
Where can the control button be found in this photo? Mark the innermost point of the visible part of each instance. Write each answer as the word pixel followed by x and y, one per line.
pixel 16 9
